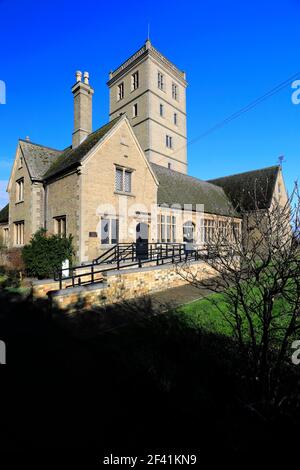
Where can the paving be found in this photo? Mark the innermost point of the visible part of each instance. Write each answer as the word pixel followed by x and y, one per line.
pixel 176 296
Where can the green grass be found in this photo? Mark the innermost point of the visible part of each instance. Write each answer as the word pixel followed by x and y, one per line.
pixel 204 314
pixel 3 278
pixel 208 314
pixel 24 291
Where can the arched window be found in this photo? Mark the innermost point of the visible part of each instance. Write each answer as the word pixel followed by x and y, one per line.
pixel 188 232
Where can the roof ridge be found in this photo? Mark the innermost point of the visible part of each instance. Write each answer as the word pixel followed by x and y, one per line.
pixel 39 145
pixel 187 176
pixel 244 173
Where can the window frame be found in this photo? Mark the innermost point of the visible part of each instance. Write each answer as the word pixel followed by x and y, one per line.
pixel 175 91
pixel 120 91
pixel 169 141
pixel 123 171
pixel 135 80
pixel 5 236
pixel 60 225
pixel 20 190
pixel 19 230
pixel 166 228
pixel 135 110
pixel 112 222
pixel 160 81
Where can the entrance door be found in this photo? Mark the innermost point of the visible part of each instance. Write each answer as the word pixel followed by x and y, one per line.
pixel 142 240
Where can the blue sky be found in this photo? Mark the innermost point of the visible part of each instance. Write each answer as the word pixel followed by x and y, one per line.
pixel 232 52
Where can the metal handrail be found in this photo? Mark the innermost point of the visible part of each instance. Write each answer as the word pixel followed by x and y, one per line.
pixel 92 272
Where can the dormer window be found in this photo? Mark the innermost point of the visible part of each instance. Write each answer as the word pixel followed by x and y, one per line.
pixel 20 190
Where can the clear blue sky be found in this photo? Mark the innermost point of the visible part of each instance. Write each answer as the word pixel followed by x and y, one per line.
pixel 232 52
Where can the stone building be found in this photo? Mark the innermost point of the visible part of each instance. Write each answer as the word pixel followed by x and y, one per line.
pixel 128 179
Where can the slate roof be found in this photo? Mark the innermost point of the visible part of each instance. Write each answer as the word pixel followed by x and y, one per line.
pixel 38 158
pixel 177 188
pixel 4 214
pixel 70 157
pixel 251 190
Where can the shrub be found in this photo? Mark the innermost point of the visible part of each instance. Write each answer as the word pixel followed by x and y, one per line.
pixel 45 254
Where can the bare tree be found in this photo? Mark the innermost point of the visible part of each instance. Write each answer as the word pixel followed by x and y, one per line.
pixel 258 271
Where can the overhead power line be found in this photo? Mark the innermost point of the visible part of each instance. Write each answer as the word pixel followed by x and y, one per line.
pixel 243 110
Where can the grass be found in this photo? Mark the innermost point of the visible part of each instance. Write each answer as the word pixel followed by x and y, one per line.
pixel 23 291
pixel 209 314
pixel 204 314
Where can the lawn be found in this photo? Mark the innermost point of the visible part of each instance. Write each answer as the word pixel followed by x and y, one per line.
pixel 208 314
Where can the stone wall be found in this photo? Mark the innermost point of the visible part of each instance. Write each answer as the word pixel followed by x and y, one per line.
pixel 126 285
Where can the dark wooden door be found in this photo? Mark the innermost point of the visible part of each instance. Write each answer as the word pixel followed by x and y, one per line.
pixel 142 240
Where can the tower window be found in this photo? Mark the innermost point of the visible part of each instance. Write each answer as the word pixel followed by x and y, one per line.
pixel 169 141
pixel 169 166
pixel 174 91
pixel 160 81
pixel 161 110
pixel 175 119
pixel 135 110
pixel 134 80
pixel 121 91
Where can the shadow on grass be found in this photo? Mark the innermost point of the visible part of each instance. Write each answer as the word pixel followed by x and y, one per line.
pixel 124 377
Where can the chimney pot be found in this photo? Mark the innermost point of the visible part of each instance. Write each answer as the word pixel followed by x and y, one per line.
pixel 86 77
pixel 78 75
pixel 27 138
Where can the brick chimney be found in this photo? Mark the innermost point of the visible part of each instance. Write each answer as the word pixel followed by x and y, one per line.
pixel 83 98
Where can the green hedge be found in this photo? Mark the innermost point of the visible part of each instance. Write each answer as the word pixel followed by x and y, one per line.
pixel 45 254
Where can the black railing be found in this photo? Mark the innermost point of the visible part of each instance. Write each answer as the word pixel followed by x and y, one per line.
pixel 157 252
pixel 130 251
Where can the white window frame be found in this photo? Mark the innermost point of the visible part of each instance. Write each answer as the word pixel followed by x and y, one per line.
pixel 112 238
pixel 166 228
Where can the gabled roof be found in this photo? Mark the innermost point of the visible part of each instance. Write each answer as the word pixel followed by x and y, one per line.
pixel 4 214
pixel 251 190
pixel 71 158
pixel 178 188
pixel 38 158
